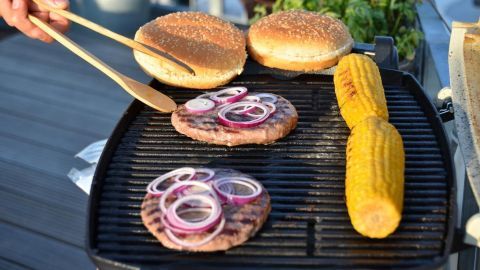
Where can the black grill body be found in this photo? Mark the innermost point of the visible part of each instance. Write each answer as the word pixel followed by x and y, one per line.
pixel 304 173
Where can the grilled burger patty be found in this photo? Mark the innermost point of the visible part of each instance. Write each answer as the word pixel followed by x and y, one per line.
pixel 242 221
pixel 205 126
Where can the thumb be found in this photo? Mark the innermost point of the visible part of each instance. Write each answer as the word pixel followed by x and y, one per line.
pixel 61 4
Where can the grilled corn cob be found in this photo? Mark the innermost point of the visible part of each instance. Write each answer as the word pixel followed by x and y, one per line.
pixel 375 177
pixel 359 89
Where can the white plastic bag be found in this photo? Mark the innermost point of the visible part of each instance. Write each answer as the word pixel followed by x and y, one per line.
pixel 91 154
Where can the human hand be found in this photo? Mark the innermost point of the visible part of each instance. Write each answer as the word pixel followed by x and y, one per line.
pixel 15 13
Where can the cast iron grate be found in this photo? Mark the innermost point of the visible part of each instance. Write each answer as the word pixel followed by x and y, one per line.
pixel 304 174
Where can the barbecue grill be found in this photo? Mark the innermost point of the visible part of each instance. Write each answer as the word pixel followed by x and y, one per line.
pixel 304 173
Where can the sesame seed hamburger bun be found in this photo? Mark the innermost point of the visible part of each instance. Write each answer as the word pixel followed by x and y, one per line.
pixel 213 48
pixel 299 41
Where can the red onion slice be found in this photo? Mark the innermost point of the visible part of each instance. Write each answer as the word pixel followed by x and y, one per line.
pixel 200 226
pixel 221 106
pixel 265 97
pixel 270 106
pixel 207 239
pixel 222 118
pixel 173 188
pixel 234 94
pixel 209 172
pixel 227 188
pixel 236 198
pixel 246 109
pixel 166 223
pixel 152 188
pixel 206 95
pixel 196 190
pixel 251 98
pixel 199 105
pixel 196 209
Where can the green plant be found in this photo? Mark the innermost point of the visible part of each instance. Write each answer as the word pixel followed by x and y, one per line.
pixel 364 18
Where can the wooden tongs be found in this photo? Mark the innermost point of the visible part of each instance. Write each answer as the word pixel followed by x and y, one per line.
pixel 140 91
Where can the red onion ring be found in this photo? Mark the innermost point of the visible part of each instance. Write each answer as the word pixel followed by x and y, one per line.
pixel 207 202
pixel 251 98
pixel 196 209
pixel 246 109
pixel 219 107
pixel 200 226
pixel 152 188
pixel 166 223
pixel 173 188
pixel 246 124
pixel 199 105
pixel 236 94
pixel 210 174
pixel 273 98
pixel 271 106
pixel 207 239
pixel 227 189
pixel 234 198
pixel 206 95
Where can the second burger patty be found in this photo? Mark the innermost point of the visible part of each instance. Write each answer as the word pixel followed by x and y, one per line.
pixel 205 127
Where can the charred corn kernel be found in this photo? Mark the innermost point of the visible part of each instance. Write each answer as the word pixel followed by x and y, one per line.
pixel 359 89
pixel 375 177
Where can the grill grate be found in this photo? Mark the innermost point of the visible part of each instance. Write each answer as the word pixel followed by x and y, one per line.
pixel 304 174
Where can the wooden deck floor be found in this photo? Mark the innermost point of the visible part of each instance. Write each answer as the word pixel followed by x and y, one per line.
pixel 52 104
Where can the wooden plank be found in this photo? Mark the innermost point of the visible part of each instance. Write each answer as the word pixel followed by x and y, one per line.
pixel 5 263
pixel 62 140
pixel 67 79
pixel 38 156
pixel 106 49
pixel 60 224
pixel 55 95
pixel 42 187
pixel 57 55
pixel 48 122
pixel 91 41
pixel 115 53
pixel 61 116
pixel 40 252
pixel 52 104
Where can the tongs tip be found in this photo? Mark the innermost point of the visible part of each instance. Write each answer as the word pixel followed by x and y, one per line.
pixel 165 55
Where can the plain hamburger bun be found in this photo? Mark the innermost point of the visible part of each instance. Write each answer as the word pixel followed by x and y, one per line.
pixel 213 48
pixel 299 41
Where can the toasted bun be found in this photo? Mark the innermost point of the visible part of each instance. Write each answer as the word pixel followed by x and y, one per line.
pixel 298 40
pixel 213 48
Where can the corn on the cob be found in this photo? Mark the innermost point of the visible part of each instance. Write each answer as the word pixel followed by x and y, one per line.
pixel 359 89
pixel 375 177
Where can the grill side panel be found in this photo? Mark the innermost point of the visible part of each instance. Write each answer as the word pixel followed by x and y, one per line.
pixel 304 174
